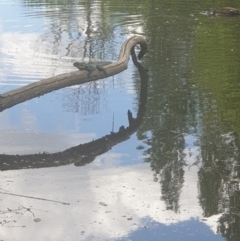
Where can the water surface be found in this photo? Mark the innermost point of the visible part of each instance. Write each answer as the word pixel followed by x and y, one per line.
pixel 175 176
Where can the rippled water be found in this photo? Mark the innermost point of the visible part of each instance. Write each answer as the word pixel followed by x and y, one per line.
pixel 172 173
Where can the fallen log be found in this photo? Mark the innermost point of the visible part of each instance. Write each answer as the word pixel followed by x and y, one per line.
pixel 86 153
pixel 44 86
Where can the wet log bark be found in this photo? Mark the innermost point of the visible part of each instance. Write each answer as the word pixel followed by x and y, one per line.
pixel 44 86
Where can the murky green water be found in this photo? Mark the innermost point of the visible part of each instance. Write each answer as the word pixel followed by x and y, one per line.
pixel 171 174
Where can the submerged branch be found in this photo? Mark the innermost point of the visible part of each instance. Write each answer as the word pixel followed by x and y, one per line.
pixel 38 198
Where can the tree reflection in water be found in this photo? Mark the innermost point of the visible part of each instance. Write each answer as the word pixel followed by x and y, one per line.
pixel 219 179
